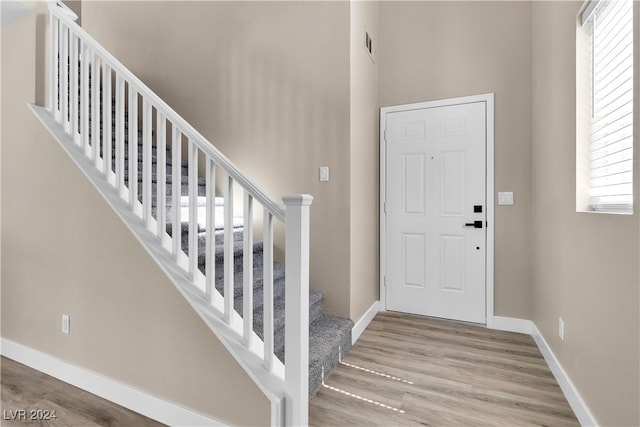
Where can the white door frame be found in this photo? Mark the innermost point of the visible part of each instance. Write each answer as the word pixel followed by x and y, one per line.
pixel 488 99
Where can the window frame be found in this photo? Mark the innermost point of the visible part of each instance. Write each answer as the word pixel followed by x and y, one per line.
pixel 584 106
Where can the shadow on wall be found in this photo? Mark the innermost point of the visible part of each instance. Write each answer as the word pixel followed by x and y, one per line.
pixel 280 128
pixel 41 67
pixel 280 124
pixel 280 115
pixel 274 100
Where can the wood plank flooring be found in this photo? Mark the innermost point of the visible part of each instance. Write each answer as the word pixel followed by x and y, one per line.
pixel 410 370
pixel 28 390
pixel 403 371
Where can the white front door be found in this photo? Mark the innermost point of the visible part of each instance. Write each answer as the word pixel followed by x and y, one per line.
pixel 436 211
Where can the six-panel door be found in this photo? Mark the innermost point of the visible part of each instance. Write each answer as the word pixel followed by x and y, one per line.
pixel 435 190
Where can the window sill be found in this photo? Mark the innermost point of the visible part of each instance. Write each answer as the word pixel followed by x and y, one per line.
pixel 601 212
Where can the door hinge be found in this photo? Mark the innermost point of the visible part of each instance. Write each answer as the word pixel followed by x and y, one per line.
pixel 384 281
pixel 384 207
pixel 385 135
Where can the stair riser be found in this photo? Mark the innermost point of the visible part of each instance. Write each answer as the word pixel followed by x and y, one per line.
pixel 184 191
pixel 258 278
pixel 315 313
pixel 258 300
pixel 323 366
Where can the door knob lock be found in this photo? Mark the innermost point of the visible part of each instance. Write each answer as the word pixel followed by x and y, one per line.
pixel 474 224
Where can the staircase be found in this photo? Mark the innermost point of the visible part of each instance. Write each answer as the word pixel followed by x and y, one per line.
pixel 217 253
pixel 329 336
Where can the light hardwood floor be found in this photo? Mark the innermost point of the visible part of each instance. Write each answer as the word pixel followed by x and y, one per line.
pixel 409 370
pixel 25 389
pixel 403 371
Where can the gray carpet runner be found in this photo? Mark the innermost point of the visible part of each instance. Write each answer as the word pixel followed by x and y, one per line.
pixel 329 336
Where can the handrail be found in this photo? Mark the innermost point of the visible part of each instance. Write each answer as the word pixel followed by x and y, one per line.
pixel 64 8
pixel 189 131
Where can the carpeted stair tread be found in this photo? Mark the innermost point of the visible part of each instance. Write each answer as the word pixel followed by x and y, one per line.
pixel 329 341
pixel 238 283
pixel 238 254
pixel 315 300
pixel 258 301
pixel 238 248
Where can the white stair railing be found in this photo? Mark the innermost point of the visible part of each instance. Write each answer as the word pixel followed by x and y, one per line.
pixel 89 88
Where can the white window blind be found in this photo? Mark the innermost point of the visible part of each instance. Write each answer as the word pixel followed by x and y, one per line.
pixel 609 25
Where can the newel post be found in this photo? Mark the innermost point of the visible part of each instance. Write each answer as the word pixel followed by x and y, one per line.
pixel 297 309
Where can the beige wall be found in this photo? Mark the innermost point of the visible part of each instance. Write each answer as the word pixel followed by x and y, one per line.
pixel 284 87
pixel 585 265
pixel 268 84
pixel 550 261
pixel 65 251
pixel 76 7
pixel 365 193
pixel 438 50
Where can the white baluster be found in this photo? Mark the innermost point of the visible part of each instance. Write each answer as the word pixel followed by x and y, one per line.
pixel 95 109
pixel 133 147
pixel 193 209
pixel 267 283
pixel 161 180
pixel 228 248
pixel 297 307
pixel 176 191
pixel 210 259
pixel 120 135
pixel 107 117
pixel 64 76
pixel 84 95
pixel 54 66
pixel 147 166
pixel 73 88
pixel 247 265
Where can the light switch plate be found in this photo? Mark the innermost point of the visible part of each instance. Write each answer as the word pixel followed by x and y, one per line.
pixel 66 324
pixel 505 198
pixel 324 173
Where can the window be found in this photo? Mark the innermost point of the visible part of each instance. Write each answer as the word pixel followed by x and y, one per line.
pixel 605 59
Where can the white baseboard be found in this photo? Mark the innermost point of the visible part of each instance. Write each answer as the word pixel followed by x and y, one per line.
pixel 114 391
pixel 511 324
pixel 585 417
pixel 364 321
pixel 524 326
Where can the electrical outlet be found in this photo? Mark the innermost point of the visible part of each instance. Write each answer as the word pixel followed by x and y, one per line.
pixel 561 328
pixel 66 324
pixel 368 44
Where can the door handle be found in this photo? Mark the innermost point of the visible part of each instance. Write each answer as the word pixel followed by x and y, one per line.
pixel 474 224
